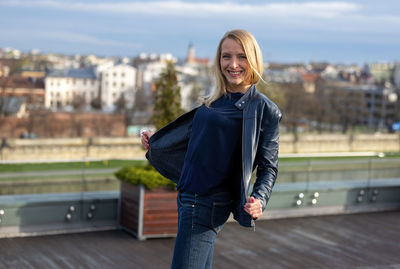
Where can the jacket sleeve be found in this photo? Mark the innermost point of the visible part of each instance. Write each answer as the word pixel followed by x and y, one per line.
pixel 267 156
pixel 168 146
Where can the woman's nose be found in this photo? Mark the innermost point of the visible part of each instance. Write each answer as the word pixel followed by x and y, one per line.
pixel 234 62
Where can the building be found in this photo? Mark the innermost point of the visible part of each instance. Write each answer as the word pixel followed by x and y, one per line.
pixel 64 87
pixel 31 89
pixel 310 81
pixel 191 57
pixel 148 73
pixel 382 72
pixel 397 75
pixel 13 106
pixel 194 78
pixel 370 105
pixel 280 73
pixel 117 81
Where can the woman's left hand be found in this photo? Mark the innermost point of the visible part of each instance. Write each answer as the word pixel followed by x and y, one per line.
pixel 253 207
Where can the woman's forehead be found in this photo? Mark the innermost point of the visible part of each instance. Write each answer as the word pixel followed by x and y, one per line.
pixel 231 45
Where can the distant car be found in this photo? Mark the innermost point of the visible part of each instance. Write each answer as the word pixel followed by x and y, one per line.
pixel 28 136
pixel 396 126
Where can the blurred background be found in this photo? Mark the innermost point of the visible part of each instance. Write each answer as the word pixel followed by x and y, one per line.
pixel 80 79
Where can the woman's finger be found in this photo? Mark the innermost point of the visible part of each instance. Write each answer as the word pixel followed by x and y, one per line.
pixel 145 135
pixel 253 207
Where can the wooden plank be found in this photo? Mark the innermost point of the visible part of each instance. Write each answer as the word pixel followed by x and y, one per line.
pixel 368 240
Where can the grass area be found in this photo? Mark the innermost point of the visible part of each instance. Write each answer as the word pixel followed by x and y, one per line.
pixel 68 165
pixel 25 167
pixel 336 158
pixel 66 177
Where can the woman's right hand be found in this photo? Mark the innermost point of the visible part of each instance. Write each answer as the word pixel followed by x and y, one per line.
pixel 145 136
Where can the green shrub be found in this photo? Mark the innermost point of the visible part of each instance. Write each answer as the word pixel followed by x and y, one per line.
pixel 144 175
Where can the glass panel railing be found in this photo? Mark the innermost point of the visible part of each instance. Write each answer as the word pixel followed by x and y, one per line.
pixel 84 176
pixel 337 181
pixel 384 171
pixel 45 197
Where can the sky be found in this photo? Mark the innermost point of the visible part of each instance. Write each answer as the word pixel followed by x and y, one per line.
pixel 357 31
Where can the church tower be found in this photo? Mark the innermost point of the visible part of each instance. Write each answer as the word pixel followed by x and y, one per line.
pixel 190 57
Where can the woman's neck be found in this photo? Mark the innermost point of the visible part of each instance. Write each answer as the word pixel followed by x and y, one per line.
pixel 238 88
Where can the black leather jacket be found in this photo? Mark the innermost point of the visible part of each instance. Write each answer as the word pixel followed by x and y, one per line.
pixel 260 144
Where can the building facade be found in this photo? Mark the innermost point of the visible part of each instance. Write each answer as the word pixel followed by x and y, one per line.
pixel 64 87
pixel 117 81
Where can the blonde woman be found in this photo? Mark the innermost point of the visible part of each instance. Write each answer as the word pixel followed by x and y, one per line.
pixel 211 152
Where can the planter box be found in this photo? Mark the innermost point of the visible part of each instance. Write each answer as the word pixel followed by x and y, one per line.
pixel 148 213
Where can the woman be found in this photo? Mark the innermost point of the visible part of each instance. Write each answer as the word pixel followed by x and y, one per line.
pixel 211 152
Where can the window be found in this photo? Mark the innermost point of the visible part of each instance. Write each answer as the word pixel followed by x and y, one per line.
pixel 122 74
pixel 84 81
pixel 93 81
pixel 122 84
pixel 114 84
pixel 114 74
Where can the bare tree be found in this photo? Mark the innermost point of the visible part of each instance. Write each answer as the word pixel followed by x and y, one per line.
pixel 141 100
pixel 273 91
pixel 14 68
pixel 120 104
pixel 297 106
pixel 79 102
pixel 96 103
pixel 77 125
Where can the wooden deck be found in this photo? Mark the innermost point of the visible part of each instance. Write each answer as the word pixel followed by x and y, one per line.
pixel 342 241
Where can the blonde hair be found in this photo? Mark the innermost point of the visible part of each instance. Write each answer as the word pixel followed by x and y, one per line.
pixel 254 59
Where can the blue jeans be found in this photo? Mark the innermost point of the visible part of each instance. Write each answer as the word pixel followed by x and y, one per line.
pixel 200 218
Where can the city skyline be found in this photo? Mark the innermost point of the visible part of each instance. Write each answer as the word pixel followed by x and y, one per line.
pixel 292 31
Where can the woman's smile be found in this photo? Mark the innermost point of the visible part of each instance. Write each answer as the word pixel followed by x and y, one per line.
pixel 234 66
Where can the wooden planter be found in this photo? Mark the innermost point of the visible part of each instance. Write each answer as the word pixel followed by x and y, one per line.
pixel 148 213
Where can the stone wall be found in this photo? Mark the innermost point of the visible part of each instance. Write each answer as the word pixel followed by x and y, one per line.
pixel 71 149
pixel 340 143
pixel 130 148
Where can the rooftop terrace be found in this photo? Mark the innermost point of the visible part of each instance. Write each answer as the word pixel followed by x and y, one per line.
pixel 368 240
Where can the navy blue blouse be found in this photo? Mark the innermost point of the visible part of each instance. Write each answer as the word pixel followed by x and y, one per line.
pixel 213 161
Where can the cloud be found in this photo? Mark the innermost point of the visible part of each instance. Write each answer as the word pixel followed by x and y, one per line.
pixel 65 36
pixel 199 9
pixel 115 24
pixel 329 15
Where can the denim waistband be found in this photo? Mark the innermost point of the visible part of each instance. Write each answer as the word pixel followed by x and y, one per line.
pixel 218 194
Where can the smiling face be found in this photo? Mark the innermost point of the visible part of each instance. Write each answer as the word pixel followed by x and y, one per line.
pixel 234 66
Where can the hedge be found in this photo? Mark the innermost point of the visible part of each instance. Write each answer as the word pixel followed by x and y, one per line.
pixel 144 175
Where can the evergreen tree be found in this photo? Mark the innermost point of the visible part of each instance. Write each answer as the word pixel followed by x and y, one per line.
pixel 167 106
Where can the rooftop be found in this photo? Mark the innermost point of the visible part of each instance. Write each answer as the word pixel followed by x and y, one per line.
pixel 369 240
pixel 73 73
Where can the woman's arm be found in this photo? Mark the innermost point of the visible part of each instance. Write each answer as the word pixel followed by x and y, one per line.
pixel 267 156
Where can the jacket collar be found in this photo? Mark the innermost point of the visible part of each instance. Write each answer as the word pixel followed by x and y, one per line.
pixel 242 102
